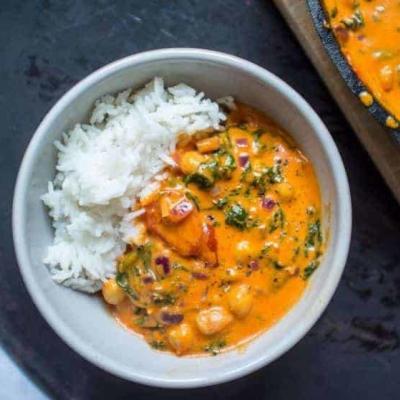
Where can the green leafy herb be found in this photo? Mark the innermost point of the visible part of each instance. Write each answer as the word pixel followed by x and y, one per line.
pixel 140 320
pixel 277 265
pixel 260 183
pixel 163 299
pixel 355 22
pixel 221 203
pixel 127 261
pixel 158 344
pixel 269 175
pixel 258 133
pixel 314 234
pixel 226 140
pixel 252 223
pixel 235 191
pixel 122 281
pixel 278 220
pixel 194 199
pixel 179 267
pixel 144 254
pixel 265 250
pixel 226 165
pixel 215 346
pixel 309 270
pixel 202 181
pixel 220 166
pixel 257 139
pixel 274 174
pixel 334 12
pixel 237 216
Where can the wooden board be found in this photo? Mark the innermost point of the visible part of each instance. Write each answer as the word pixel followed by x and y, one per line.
pixel 380 145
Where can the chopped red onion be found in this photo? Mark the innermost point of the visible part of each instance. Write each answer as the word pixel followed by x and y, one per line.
pixel 171 318
pixel 268 203
pixel 148 279
pixel 199 275
pixel 242 142
pixel 243 159
pixel 164 261
pixel 253 264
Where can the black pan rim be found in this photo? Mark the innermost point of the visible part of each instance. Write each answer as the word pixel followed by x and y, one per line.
pixel 353 82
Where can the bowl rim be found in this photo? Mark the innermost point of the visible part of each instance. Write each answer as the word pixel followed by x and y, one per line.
pixel 342 216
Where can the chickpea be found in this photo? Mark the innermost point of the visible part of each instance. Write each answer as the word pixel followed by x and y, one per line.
pixel 190 161
pixel 181 338
pixel 240 300
pixel 213 320
pixel 285 191
pixel 386 76
pixel 112 293
pixel 208 145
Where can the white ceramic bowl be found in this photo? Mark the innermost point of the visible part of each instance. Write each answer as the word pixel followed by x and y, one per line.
pixel 81 320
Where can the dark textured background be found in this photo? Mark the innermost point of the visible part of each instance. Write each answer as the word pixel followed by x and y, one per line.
pixel 46 46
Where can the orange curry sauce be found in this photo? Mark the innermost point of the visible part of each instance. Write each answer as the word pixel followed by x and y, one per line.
pixel 369 35
pixel 226 244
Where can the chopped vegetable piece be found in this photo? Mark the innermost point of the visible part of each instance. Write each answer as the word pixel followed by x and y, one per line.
pixel 208 145
pixel 278 220
pixel 164 262
pixel 354 22
pixel 309 270
pixel 122 280
pixel 215 346
pixel 243 159
pixel 268 203
pixel 242 142
pixel 237 216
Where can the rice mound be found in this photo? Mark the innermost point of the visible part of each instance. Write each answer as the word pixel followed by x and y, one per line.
pixel 105 165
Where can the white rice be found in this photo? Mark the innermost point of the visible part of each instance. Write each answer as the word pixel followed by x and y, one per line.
pixel 105 165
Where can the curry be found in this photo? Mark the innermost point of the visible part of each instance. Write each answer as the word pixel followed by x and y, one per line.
pixel 368 32
pixel 226 244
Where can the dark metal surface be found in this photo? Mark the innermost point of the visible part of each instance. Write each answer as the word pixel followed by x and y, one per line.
pixel 333 49
pixel 46 46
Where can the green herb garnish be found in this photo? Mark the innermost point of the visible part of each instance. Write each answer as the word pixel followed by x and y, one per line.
pixel 215 346
pixel 226 165
pixel 309 270
pixel 314 234
pixel 237 216
pixel 158 344
pixel 163 299
pixel 194 199
pixel 274 174
pixel 202 181
pixel 144 254
pixel 355 22
pixel 221 203
pixel 122 281
pixel 277 265
pixel 278 220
